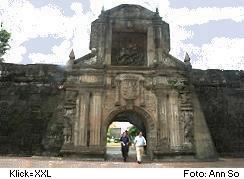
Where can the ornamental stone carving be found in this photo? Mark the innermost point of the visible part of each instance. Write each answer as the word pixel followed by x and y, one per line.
pixel 130 76
pixel 67 131
pixel 187 125
pixel 129 86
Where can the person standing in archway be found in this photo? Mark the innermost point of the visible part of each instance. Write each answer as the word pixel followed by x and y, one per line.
pixel 140 142
pixel 124 145
pixel 129 143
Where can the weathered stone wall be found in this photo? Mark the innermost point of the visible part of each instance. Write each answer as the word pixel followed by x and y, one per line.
pixel 30 109
pixel 221 96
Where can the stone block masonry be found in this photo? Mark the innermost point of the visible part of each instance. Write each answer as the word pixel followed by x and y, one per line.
pixel 30 106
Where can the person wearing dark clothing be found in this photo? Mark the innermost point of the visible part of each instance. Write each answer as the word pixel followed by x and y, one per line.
pixel 129 144
pixel 124 145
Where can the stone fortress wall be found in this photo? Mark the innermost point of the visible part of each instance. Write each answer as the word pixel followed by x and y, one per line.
pixel 31 108
pixel 30 104
pixel 221 95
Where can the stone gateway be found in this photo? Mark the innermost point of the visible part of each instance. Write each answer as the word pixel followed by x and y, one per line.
pixel 130 76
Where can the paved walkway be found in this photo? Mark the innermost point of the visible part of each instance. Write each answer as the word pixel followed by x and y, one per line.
pixel 55 162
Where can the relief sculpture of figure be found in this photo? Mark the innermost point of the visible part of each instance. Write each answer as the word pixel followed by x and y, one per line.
pixel 188 127
pixel 67 131
pixel 130 56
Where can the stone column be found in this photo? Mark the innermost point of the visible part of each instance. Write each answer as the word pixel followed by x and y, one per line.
pixel 80 131
pixel 162 114
pixel 95 118
pixel 77 121
pixel 174 121
pixel 84 117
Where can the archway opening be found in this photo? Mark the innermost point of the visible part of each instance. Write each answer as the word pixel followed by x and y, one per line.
pixel 127 120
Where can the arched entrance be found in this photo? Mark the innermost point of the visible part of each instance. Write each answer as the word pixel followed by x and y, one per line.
pixel 113 145
pixel 137 117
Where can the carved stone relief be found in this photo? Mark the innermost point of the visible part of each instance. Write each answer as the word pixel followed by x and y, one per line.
pixel 151 104
pixel 186 119
pixel 89 79
pixel 129 49
pixel 67 131
pixel 129 87
pixel 186 116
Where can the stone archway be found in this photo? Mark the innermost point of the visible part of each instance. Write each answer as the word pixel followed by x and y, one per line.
pixel 136 116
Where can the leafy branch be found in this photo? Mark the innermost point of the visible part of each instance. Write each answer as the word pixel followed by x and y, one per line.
pixel 4 41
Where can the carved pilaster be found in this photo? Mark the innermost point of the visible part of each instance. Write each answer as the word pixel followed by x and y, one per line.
pixel 187 124
pixel 69 113
pixel 186 119
pixel 76 121
pixel 162 113
pixel 175 142
pixel 67 131
pixel 81 122
pixel 83 118
pixel 95 118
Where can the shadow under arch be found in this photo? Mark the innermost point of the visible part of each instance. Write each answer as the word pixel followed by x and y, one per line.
pixel 136 116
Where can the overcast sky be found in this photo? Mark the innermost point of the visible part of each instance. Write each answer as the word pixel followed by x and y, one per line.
pixel 45 31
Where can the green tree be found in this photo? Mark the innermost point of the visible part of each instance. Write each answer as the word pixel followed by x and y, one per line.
pixel 4 40
pixel 133 131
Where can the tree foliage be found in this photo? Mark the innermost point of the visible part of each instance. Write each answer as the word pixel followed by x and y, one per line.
pixel 4 42
pixel 133 131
